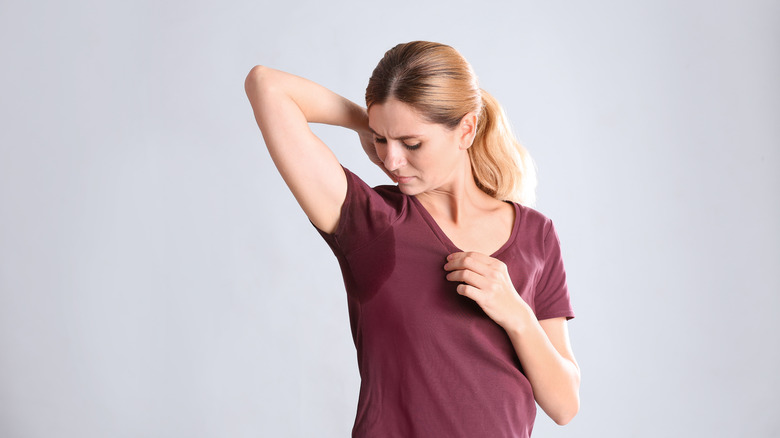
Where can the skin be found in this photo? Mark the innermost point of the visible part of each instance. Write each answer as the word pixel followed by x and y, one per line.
pixel 438 173
pixel 430 162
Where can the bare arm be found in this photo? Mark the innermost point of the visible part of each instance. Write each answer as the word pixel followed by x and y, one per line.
pixel 545 352
pixel 284 105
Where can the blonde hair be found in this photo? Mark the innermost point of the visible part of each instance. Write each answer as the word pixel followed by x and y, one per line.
pixel 438 82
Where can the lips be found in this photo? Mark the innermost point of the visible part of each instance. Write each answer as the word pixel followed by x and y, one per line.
pixel 403 179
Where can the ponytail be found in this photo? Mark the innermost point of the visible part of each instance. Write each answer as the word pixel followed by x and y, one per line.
pixel 502 167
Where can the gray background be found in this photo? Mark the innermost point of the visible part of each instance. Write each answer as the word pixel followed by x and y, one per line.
pixel 158 280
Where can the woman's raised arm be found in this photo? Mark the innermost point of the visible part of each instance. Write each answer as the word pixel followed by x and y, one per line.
pixel 284 105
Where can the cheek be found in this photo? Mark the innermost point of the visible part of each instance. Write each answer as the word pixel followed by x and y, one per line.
pixel 439 157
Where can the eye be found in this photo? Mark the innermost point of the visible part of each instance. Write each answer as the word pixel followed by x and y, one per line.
pixel 380 140
pixel 412 147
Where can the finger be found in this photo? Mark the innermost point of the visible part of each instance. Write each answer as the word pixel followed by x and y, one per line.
pixel 474 261
pixel 472 255
pixel 384 169
pixel 470 277
pixel 470 291
pixel 392 177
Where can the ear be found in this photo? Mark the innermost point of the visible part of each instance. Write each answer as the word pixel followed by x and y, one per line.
pixel 467 130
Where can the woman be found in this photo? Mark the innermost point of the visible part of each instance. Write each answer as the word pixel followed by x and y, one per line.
pixel 457 295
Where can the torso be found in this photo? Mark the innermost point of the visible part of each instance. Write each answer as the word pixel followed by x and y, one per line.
pixel 431 362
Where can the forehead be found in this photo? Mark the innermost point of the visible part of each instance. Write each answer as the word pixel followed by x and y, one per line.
pixel 397 119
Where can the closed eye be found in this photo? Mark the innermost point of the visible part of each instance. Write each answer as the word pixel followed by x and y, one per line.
pixel 411 147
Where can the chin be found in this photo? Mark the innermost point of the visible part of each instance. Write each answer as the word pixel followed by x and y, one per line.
pixel 409 190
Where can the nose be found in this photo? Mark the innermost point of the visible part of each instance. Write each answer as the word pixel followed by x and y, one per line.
pixel 395 157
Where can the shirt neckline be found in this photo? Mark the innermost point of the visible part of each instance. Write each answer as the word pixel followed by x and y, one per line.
pixel 447 242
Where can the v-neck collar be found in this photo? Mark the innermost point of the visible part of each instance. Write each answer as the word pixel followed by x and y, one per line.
pixel 447 242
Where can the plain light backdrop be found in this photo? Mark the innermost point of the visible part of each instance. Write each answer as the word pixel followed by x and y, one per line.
pixel 157 279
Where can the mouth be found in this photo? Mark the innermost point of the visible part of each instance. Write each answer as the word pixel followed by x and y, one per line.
pixel 403 179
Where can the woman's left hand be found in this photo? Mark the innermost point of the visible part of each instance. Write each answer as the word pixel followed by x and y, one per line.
pixel 486 280
pixel 543 349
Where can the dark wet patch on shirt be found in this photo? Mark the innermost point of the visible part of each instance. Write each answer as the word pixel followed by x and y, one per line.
pixel 372 265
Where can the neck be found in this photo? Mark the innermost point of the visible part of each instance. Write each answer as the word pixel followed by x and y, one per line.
pixel 456 199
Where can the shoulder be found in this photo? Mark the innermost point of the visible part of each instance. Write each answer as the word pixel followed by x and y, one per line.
pixel 367 212
pixel 532 220
pixel 386 197
pixel 535 232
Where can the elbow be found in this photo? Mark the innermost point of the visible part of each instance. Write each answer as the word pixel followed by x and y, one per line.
pixel 565 415
pixel 256 76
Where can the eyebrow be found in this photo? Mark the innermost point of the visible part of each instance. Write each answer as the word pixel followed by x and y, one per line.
pixel 403 137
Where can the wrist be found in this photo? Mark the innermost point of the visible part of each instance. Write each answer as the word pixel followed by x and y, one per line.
pixel 358 117
pixel 521 320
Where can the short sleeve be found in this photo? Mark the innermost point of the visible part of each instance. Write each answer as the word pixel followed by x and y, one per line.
pixel 366 213
pixel 552 294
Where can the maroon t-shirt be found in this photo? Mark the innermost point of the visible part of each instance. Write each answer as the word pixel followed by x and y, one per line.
pixel 431 362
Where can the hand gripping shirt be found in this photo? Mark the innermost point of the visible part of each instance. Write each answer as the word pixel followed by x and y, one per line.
pixel 431 362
